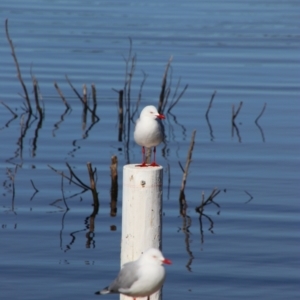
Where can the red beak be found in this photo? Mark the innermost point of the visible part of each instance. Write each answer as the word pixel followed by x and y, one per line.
pixel 167 261
pixel 160 116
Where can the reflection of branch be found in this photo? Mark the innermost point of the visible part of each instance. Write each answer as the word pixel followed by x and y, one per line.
pixel 114 185
pixel 201 225
pixel 200 210
pixel 185 228
pixel 56 125
pixel 182 200
pixel 11 174
pixel 18 68
pixel 234 115
pixel 206 115
pixel 35 190
pixel 251 197
pixel 256 122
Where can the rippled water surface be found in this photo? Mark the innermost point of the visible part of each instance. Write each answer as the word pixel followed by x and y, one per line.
pixel 246 51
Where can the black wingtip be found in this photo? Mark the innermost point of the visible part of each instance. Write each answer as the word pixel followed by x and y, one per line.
pixel 97 293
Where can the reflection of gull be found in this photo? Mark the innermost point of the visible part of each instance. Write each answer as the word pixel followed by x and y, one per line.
pixel 140 278
pixel 149 131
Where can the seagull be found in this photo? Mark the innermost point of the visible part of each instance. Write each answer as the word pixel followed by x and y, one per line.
pixel 149 131
pixel 140 278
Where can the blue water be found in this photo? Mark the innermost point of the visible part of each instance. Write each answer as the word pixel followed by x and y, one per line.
pixel 245 50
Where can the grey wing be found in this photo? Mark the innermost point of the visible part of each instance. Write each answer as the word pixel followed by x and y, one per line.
pixel 127 276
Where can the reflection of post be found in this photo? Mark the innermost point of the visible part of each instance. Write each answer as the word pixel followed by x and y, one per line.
pixel 114 186
pixel 90 233
pixel 141 213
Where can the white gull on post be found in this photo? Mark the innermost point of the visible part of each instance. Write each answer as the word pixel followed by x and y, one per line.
pixel 140 278
pixel 149 132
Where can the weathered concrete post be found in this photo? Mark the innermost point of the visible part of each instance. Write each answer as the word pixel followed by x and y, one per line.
pixel 141 213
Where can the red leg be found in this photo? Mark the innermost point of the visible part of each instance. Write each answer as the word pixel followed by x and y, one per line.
pixel 143 164
pixel 154 164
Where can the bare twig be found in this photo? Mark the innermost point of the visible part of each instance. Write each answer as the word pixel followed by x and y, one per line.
pixel 163 85
pixel 12 112
pixel 261 113
pixel 210 103
pixel 140 95
pixel 178 98
pixel 62 96
pixel 209 200
pixel 234 114
pixel 188 161
pixel 74 90
pixel 182 200
pixel 80 184
pixel 18 68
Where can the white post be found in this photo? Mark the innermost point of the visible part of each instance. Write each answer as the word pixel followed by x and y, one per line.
pixel 141 213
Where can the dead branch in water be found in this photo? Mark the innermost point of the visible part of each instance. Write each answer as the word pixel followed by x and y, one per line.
pixel 182 200
pixel 11 111
pixel 163 86
pixel 210 104
pixel 140 96
pixel 18 68
pixel 178 98
pixel 62 96
pixel 209 200
pixel 234 114
pixel 261 113
pixel 207 118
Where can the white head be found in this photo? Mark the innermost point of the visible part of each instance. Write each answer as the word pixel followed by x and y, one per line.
pixel 150 111
pixel 154 256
